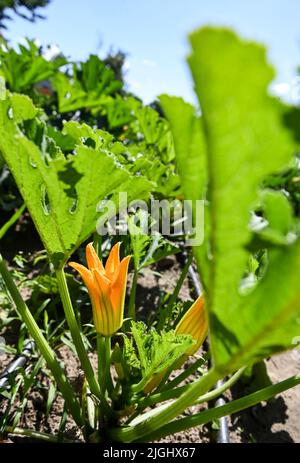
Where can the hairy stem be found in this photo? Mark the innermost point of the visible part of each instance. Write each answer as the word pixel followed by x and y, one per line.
pixel 224 410
pixel 166 414
pixel 75 333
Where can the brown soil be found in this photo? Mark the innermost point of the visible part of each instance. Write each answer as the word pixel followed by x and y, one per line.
pixel 275 421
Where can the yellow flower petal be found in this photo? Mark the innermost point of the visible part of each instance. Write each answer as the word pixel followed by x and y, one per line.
pixel 102 280
pixel 195 323
pixel 113 260
pixel 118 288
pixel 106 288
pixel 92 258
pixel 85 274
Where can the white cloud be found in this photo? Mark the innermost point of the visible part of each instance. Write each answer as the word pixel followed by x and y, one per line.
pixel 127 65
pixel 134 85
pixel 149 63
pixel 51 52
pixel 281 89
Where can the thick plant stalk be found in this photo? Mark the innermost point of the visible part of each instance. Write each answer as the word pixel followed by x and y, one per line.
pixel 108 385
pixel 75 333
pixel 176 392
pixel 104 352
pixel 167 414
pixel 42 344
pixel 228 409
pixel 101 359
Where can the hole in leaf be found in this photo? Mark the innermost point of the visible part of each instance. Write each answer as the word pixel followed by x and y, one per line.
pixel 32 163
pixel 73 207
pixel 10 113
pixel 90 143
pixel 45 200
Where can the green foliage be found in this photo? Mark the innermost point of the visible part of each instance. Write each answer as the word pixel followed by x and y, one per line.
pixel 280 227
pixel 158 351
pixel 19 7
pixel 233 157
pixel 91 82
pixel 147 248
pixel 246 139
pixel 288 181
pixel 67 188
pixel 191 160
pixel 189 142
pixel 26 67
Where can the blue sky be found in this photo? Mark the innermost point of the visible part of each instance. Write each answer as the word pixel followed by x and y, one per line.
pixel 154 34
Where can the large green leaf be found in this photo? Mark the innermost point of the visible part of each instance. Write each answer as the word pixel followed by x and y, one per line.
pixel 247 139
pixel 189 145
pixel 264 322
pixel 191 161
pixel 61 192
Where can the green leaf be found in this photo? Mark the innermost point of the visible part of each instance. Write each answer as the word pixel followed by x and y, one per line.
pixel 247 139
pixel 152 129
pixel 129 353
pixel 190 145
pixel 118 112
pixel 147 248
pixel 50 398
pixel 191 161
pixel 279 215
pixel 158 351
pixel 62 193
pixel 90 87
pixel 24 69
pixel 22 108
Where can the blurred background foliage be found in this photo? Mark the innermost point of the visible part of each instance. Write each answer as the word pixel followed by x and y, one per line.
pixel 27 9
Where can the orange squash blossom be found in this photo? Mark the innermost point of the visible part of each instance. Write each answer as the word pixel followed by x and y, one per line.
pixel 106 287
pixel 195 323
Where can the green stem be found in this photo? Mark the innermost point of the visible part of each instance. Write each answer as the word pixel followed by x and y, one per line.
pixel 185 374
pixel 42 344
pixel 75 333
pixel 101 359
pixel 167 414
pixel 179 284
pixel 101 352
pixel 37 435
pixel 174 393
pixel 138 387
pixel 224 410
pixel 212 395
pixel 12 221
pixel 131 305
pixel 162 397
pixel 108 385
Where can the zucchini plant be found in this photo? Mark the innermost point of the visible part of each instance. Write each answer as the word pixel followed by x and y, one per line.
pixel 225 155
